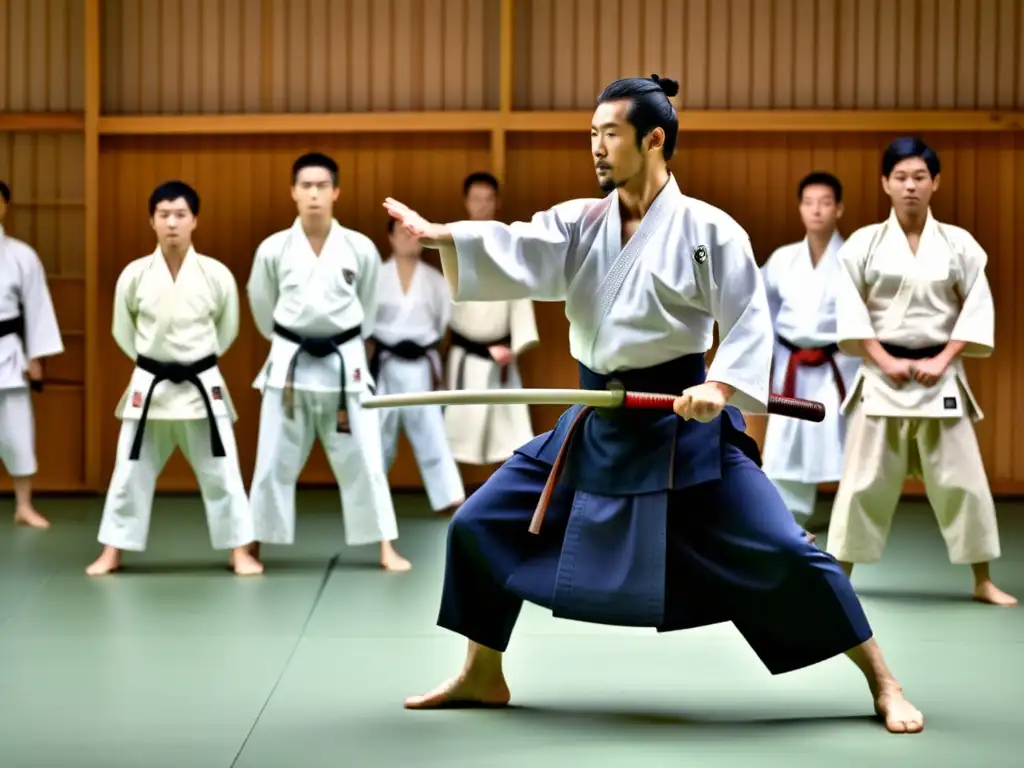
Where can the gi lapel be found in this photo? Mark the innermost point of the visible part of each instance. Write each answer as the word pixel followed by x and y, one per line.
pixel 658 213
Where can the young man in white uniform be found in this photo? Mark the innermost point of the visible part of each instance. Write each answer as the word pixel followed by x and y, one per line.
pixel 913 303
pixel 175 314
pixel 487 337
pixel 801 280
pixel 313 295
pixel 413 309
pixel 28 333
pixel 653 520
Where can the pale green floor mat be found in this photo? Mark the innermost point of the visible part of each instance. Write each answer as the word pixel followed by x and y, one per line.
pixel 175 663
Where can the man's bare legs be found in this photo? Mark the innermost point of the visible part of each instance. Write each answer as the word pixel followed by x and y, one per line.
pixel 482 683
pixel 985 591
pixel 24 511
pixel 900 715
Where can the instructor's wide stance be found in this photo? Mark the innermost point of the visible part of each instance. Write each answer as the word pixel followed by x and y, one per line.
pixel 913 301
pixel 661 521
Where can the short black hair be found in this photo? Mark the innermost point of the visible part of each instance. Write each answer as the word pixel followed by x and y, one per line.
pixel 908 147
pixel 5 192
pixel 650 107
pixel 822 178
pixel 315 160
pixel 170 191
pixel 480 177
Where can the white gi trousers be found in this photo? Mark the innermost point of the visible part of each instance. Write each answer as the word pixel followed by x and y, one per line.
pixel 129 503
pixel 424 426
pixel 17 433
pixel 283 449
pixel 881 452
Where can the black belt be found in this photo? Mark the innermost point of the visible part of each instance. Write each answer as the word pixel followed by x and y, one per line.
pixel 477 349
pixel 319 346
pixel 909 353
pixel 16 327
pixel 177 373
pixel 407 350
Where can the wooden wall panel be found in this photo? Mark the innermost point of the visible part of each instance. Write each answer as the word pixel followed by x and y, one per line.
pixel 754 177
pixel 236 56
pixel 45 174
pixel 782 54
pixel 244 187
pixel 41 44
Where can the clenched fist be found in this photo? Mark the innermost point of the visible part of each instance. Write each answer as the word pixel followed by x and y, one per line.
pixel 702 402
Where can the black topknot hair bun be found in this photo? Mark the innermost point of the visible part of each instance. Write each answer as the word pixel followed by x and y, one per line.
pixel 670 87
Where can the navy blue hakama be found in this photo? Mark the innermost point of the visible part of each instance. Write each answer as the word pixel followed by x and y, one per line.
pixel 655 522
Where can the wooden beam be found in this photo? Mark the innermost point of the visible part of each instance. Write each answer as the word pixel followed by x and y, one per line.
pixel 93 365
pixel 793 121
pixel 349 122
pixel 752 121
pixel 506 72
pixel 506 56
pixel 42 122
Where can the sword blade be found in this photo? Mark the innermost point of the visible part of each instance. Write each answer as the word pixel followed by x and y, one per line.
pixel 593 398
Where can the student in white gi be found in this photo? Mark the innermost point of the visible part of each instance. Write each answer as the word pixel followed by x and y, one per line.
pixel 175 314
pixel 413 310
pixel 313 294
pixel 28 333
pixel 487 338
pixel 801 280
pixel 914 302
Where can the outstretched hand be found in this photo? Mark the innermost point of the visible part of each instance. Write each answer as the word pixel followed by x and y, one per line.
pixel 429 234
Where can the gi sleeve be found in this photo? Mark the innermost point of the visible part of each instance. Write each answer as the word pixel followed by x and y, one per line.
pixel 262 288
pixel 126 310
pixel 367 285
pixel 227 317
pixel 853 319
pixel 976 322
pixel 42 333
pixel 739 304
pixel 522 323
pixel 522 260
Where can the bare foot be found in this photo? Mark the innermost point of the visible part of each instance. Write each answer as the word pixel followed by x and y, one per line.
pixel 391 561
pixel 244 564
pixel 464 691
pixel 254 550
pixel 900 715
pixel 27 515
pixel 109 561
pixel 987 592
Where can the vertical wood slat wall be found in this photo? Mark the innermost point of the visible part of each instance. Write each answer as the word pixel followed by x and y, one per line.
pixel 411 95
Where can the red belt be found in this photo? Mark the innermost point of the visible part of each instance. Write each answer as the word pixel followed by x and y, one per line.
pixel 810 358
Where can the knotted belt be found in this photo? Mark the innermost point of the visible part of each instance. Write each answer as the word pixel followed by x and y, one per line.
pixel 177 373
pixel 15 326
pixel 317 346
pixel 909 353
pixel 407 350
pixel 477 349
pixel 812 357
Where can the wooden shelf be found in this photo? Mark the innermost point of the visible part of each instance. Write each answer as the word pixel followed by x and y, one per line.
pixel 351 122
pixel 771 121
pixel 791 121
pixel 42 122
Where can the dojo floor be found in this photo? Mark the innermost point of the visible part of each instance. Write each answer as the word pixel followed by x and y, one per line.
pixel 178 664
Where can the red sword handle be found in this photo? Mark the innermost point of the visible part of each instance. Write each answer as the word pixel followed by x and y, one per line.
pixel 793 407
